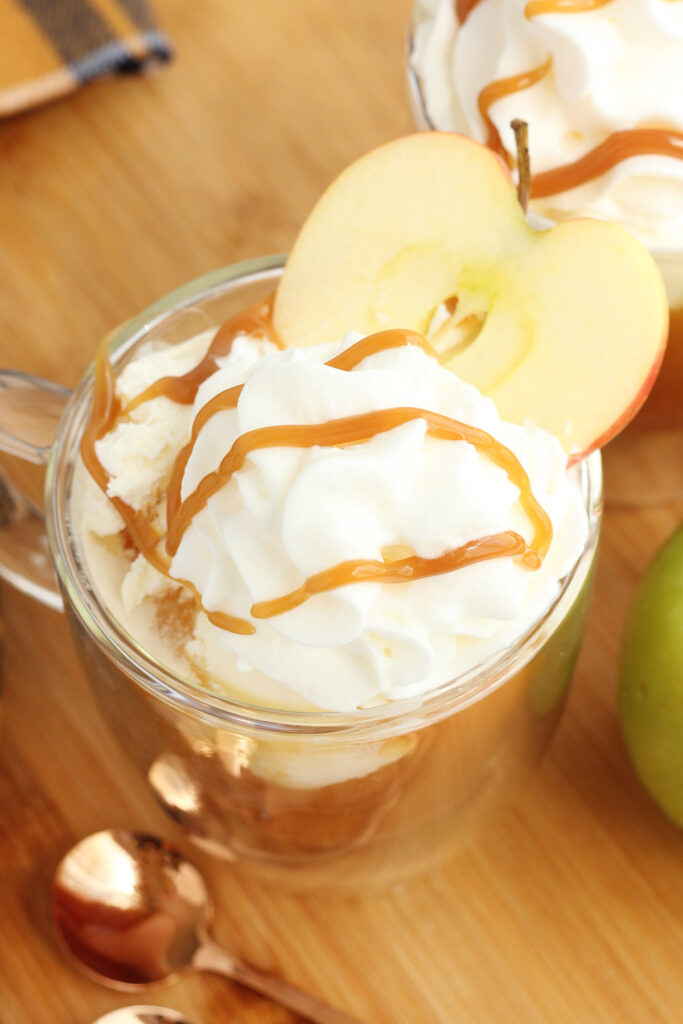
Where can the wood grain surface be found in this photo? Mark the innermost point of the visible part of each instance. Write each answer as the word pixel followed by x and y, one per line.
pixel 570 909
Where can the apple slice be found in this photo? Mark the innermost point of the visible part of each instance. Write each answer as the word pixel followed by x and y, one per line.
pixel 566 326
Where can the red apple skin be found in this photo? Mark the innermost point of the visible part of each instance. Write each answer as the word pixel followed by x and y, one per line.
pixel 638 401
pixel 631 410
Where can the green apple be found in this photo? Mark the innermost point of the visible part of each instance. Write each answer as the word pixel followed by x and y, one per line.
pixel 651 689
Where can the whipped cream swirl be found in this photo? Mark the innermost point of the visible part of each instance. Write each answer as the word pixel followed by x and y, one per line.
pixel 290 513
pixel 617 67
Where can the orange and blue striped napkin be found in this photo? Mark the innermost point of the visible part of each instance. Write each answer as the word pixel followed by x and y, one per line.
pixel 49 48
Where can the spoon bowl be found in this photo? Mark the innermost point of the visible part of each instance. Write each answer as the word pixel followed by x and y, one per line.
pixel 129 908
pixel 132 912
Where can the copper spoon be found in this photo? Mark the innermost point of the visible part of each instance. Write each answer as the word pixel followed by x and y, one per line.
pixel 142 1015
pixel 133 912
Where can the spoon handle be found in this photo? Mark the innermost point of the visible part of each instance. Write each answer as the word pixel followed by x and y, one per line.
pixel 210 957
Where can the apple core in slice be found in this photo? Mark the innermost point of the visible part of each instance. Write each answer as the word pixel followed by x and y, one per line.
pixel 569 323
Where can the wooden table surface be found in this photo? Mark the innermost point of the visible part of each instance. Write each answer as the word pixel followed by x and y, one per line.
pixel 570 909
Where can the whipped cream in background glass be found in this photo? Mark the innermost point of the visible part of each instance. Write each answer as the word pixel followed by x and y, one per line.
pixel 291 513
pixel 610 69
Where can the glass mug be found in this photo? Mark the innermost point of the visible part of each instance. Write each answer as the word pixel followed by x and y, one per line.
pixel 316 799
pixel 644 464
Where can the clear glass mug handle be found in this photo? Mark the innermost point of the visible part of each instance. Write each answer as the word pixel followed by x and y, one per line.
pixel 30 410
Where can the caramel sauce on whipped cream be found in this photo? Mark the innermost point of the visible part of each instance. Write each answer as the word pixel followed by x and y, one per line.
pixel 536 7
pixel 611 151
pixel 496 91
pixel 615 148
pixel 107 412
pixel 463 8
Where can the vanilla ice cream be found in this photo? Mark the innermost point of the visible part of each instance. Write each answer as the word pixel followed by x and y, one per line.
pixel 289 513
pixel 594 73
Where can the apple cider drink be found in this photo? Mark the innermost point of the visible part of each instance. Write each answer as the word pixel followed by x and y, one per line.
pixel 357 519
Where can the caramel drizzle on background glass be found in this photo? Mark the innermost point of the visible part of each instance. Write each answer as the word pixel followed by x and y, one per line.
pixel 611 151
pixel 615 148
pixel 537 7
pixel 463 8
pixel 107 411
pixel 496 91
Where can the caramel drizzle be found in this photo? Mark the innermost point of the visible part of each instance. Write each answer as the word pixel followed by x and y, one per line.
pixel 611 151
pixel 379 342
pixel 353 430
pixel 495 91
pixel 219 403
pixel 230 623
pixel 335 433
pixel 106 409
pixel 537 7
pixel 346 360
pixel 615 148
pixel 183 389
pixel 463 8
pixel 404 570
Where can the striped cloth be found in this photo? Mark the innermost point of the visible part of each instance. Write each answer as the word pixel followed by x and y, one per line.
pixel 50 47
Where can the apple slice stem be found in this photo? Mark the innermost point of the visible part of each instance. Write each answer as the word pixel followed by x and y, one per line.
pixel 521 130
